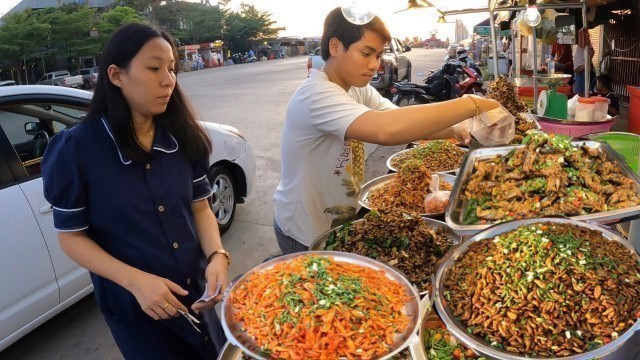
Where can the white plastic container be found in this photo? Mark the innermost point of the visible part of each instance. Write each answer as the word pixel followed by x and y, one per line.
pixel 585 109
pixel 602 108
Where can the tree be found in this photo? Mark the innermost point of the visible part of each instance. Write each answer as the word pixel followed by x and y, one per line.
pixel 113 19
pixel 21 37
pixel 248 25
pixel 71 27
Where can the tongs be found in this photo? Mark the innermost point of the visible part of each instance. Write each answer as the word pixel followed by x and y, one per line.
pixel 191 319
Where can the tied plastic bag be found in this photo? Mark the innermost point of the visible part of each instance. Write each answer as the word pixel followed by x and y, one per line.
pixel 494 127
pixel 436 201
pixel 571 105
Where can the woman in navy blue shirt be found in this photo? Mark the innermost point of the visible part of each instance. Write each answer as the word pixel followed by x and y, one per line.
pixel 129 190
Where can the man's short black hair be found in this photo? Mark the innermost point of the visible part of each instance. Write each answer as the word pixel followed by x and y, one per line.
pixel 604 80
pixel 337 26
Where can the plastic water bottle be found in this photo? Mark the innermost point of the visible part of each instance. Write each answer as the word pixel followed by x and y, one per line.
pixel 551 66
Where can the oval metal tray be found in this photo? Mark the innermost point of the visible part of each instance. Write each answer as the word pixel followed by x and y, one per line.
pixel 454 170
pixel 459 330
pixel 238 337
pixel 380 181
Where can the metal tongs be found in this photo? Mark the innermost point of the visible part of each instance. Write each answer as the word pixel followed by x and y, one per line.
pixel 191 319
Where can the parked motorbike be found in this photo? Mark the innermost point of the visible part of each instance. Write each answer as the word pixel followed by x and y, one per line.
pixel 435 88
pixel 468 77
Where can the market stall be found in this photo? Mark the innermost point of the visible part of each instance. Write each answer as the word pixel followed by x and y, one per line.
pixel 510 245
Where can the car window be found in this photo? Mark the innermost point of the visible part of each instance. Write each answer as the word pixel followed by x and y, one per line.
pixel 61 73
pixel 43 121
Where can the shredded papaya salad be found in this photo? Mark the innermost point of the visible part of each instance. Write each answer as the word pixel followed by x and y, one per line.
pixel 314 307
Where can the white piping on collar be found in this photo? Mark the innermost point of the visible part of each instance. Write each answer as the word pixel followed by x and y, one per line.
pixel 168 151
pixel 114 142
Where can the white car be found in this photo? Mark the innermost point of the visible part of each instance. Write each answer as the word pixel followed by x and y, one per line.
pixel 38 280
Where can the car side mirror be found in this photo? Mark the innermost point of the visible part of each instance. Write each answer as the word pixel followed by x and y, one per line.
pixel 31 128
pixel 407 48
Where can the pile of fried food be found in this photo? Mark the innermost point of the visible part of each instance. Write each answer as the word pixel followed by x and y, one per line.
pixel 437 155
pixel 504 92
pixel 406 191
pixel 549 176
pixel 546 289
pixel 399 239
pixel 316 307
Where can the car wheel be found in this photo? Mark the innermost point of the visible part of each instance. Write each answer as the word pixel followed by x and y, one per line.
pixel 223 199
pixel 86 85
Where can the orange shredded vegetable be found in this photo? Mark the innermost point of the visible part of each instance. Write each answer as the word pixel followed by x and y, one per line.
pixel 314 307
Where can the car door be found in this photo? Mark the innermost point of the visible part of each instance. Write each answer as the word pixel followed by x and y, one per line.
pixel 51 116
pixel 403 60
pixel 28 282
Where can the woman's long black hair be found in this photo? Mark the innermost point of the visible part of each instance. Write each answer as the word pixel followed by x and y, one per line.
pixel 179 118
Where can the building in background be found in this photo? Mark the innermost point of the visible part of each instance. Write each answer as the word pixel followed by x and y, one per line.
pixel 461 32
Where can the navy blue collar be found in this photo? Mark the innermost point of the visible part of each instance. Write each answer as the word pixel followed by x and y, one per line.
pixel 162 141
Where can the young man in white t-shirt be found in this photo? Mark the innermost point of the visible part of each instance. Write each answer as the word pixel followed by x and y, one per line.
pixel 329 117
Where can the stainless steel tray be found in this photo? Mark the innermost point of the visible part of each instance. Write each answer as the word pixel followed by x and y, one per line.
pixel 459 330
pixel 390 160
pixel 379 181
pixel 238 337
pixel 230 352
pixel 318 244
pixel 454 212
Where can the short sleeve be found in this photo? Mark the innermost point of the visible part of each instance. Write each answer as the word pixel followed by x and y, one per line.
pixel 371 98
pixel 65 183
pixel 330 109
pixel 201 187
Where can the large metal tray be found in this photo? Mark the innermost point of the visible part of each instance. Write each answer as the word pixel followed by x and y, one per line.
pixel 459 330
pixel 238 337
pixel 390 160
pixel 454 213
pixel 230 352
pixel 380 181
pixel 318 244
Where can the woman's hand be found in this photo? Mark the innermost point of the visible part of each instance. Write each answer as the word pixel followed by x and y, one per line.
pixel 155 295
pixel 215 272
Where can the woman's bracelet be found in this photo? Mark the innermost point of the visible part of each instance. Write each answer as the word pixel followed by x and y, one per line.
pixel 475 103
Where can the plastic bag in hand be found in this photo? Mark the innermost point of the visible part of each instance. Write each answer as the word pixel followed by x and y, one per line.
pixel 494 127
pixel 436 201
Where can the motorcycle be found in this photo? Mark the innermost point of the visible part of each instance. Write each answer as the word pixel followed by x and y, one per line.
pixel 468 76
pixel 437 87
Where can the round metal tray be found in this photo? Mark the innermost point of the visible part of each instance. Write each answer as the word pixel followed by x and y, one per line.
pixel 380 181
pixel 390 160
pixel 230 352
pixel 318 244
pixel 238 337
pixel 458 329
